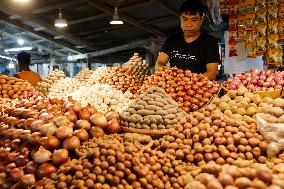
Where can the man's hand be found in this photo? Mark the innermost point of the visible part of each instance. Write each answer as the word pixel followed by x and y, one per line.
pixel 162 60
pixel 212 69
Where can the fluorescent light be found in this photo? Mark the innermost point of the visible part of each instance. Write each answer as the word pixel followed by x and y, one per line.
pixel 19 49
pixel 11 65
pixel 21 41
pixel 8 58
pixel 22 1
pixel 70 57
pixel 116 22
pixel 60 22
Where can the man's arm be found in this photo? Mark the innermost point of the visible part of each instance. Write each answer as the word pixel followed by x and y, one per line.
pixel 162 60
pixel 212 69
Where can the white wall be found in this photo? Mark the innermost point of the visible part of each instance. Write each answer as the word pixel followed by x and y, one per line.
pixel 240 64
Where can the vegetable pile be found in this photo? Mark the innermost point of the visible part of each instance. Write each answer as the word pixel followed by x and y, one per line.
pixel 244 175
pixel 11 87
pixel 256 80
pixel 45 85
pixel 137 67
pixel 98 74
pixel 103 97
pixel 190 90
pixel 63 88
pixel 122 79
pixel 211 136
pixel 240 104
pixel 84 75
pixel 154 109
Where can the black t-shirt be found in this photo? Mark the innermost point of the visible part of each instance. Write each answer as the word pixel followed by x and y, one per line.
pixel 192 56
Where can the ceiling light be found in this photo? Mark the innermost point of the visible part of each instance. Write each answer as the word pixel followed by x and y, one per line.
pixel 60 22
pixel 7 58
pixel 22 1
pixel 21 41
pixel 11 65
pixel 116 19
pixel 70 58
pixel 19 49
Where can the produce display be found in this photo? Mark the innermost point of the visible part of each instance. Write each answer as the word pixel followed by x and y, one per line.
pixel 154 109
pixel 271 125
pixel 119 164
pixel 84 75
pixel 240 104
pixel 45 85
pixel 140 70
pixel 122 79
pixel 210 136
pixel 98 74
pixel 242 175
pixel 62 88
pixel 103 97
pixel 190 90
pixel 11 87
pixel 256 80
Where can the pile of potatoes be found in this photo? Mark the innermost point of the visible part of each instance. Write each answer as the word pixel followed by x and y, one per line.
pixel 63 88
pixel 240 105
pixel 154 109
pixel 11 87
pixel 84 75
pixel 240 176
pixel 45 85
pixel 273 111
pixel 137 67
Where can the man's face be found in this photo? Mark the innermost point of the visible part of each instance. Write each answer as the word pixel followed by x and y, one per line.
pixel 190 24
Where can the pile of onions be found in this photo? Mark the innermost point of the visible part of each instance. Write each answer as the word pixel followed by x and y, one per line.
pixel 190 90
pixel 140 70
pixel 84 75
pixel 63 88
pixel 103 97
pixel 45 85
pixel 122 79
pixel 256 80
pixel 11 87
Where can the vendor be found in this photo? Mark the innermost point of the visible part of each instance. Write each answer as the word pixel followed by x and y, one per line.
pixel 191 49
pixel 24 60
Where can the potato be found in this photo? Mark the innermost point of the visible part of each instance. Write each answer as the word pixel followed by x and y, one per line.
pixel 241 111
pixel 242 90
pixel 214 184
pixel 228 113
pixel 278 102
pixel 249 95
pixel 268 100
pixel 224 106
pixel 269 118
pixel 239 99
pixel 234 109
pixel 258 184
pixel 232 94
pixel 243 182
pixel 232 103
pixel 276 111
pixel 281 119
pixel 251 111
pixel 216 101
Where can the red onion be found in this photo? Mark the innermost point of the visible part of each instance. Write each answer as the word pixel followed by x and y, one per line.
pixel 16 174
pixel 45 170
pixel 82 134
pixel 64 132
pixel 71 143
pixel 113 126
pixel 59 156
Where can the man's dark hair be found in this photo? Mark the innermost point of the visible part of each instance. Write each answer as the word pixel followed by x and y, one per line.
pixel 192 7
pixel 24 57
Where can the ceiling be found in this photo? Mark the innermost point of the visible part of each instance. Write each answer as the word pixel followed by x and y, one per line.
pixel 88 26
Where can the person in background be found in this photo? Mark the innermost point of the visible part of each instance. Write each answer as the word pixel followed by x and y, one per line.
pixel 24 60
pixel 191 49
pixel 55 67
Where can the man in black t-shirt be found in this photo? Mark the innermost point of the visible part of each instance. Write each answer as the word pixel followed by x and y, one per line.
pixel 191 49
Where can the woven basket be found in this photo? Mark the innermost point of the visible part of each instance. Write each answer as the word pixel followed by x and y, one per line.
pixel 152 133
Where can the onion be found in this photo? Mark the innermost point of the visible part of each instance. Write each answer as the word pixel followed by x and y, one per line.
pixel 84 114
pixel 71 143
pixel 48 129
pixel 27 180
pixel 59 156
pixel 64 132
pixel 91 109
pixel 97 132
pixel 31 167
pixel 45 170
pixel 76 107
pixel 50 142
pixel 42 155
pixel 62 121
pixel 99 120
pixel 83 124
pixel 82 134
pixel 112 115
pixel 71 116
pixel 113 126
pixel 16 174
pixel 35 126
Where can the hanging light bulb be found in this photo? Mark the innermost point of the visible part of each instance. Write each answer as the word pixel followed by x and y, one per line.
pixel 21 40
pixel 60 22
pixel 116 19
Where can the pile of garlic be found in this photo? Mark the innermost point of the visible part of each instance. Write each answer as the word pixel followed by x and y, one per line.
pixel 103 97
pixel 137 67
pixel 45 85
pixel 84 75
pixel 63 88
